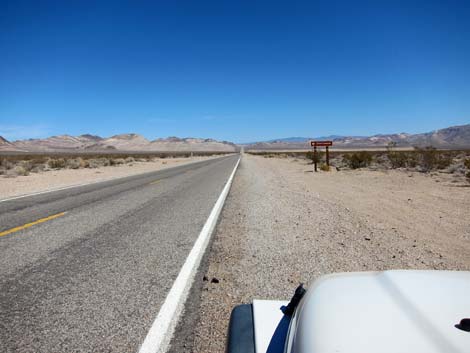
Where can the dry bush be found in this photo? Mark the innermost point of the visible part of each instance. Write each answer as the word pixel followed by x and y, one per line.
pixel 466 163
pixel 83 162
pixel 72 163
pixel 117 161
pixel 429 158
pixel 400 159
pixel 6 164
pixel 93 163
pixel 37 168
pixel 357 160
pixel 324 167
pixel 38 164
pixel 58 163
pixel 444 160
pixel 314 157
pixel 98 162
pixel 27 165
pixel 18 170
pixel 77 163
pixel 130 160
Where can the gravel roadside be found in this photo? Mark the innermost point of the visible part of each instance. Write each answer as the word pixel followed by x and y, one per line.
pixel 282 225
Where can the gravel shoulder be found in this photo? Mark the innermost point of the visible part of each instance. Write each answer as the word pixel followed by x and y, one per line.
pixel 55 179
pixel 283 224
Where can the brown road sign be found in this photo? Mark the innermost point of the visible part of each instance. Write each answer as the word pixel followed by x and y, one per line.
pixel 321 143
pixel 316 144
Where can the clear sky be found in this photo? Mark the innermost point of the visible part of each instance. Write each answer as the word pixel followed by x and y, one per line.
pixel 233 70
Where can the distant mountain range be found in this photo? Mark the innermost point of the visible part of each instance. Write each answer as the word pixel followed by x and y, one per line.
pixel 451 137
pixel 123 142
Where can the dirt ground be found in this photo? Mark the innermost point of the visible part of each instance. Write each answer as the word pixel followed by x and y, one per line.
pixel 283 224
pixel 54 179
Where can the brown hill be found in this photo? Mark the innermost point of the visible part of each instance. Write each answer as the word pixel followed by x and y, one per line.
pixel 6 145
pixel 122 142
pixel 451 137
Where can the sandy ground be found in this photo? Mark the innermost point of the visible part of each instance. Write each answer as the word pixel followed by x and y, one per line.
pixel 283 224
pixel 49 180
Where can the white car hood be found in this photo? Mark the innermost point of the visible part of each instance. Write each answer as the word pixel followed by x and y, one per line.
pixel 383 312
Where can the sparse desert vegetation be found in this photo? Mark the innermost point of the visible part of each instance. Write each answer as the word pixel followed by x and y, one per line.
pixel 360 159
pixel 284 225
pixel 24 174
pixel 13 165
pixel 424 160
pixel 466 164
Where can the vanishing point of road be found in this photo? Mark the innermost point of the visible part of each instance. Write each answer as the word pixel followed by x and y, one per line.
pixel 86 269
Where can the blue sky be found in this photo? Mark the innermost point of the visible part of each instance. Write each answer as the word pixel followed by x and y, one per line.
pixel 233 70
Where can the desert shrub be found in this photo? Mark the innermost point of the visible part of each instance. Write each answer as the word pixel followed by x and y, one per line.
pixel 38 164
pixel 357 160
pixel 117 161
pixel 400 159
pixel 93 163
pixel 397 159
pixel 56 163
pixel 429 158
pixel 412 160
pixel 27 165
pixel 37 168
pixel 324 167
pixel 444 160
pixel 6 164
pixel 130 160
pixel 72 163
pixel 18 170
pixel 83 162
pixel 314 157
pixel 98 162
pixel 466 163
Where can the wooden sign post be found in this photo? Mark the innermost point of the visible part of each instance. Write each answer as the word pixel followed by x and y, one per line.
pixel 316 144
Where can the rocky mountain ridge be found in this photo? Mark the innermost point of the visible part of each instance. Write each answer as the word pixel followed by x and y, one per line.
pixel 122 142
pixel 451 137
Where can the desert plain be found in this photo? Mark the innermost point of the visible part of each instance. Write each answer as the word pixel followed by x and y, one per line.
pixel 283 225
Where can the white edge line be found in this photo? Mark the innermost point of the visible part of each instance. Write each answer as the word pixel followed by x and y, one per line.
pixel 161 332
pixel 93 182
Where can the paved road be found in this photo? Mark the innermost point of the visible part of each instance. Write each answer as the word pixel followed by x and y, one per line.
pixel 93 279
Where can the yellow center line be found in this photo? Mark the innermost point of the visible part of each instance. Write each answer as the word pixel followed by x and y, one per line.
pixel 27 225
pixel 154 182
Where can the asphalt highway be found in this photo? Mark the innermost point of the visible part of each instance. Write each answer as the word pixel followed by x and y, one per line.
pixel 86 269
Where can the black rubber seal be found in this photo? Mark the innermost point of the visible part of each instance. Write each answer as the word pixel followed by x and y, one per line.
pixel 241 335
